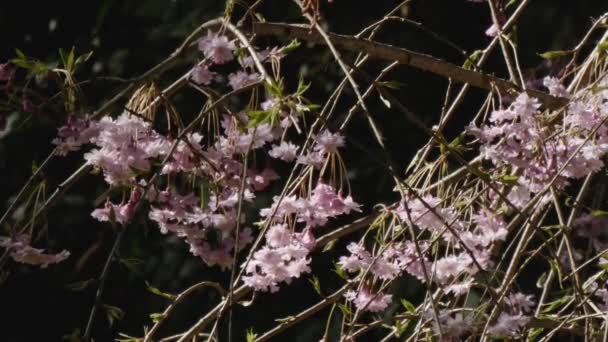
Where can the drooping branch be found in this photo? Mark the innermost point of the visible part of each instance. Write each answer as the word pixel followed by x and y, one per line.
pixel 406 57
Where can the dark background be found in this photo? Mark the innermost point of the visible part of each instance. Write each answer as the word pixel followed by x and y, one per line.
pixel 128 37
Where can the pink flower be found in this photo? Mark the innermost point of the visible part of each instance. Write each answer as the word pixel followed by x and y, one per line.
pixel 260 181
pixel 241 79
pixel 123 146
pixel 520 302
pixel 454 327
pixel 492 31
pixel 366 301
pixel 286 151
pixel 555 87
pixel 328 142
pixel 315 159
pixel 21 251
pixel 118 213
pixel 74 134
pixel 201 74
pixel 217 48
pixel 278 236
pixel 509 325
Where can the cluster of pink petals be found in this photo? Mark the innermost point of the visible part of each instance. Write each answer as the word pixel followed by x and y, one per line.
pixel 75 133
pixel 241 79
pixel 325 143
pixel 201 74
pixel 453 271
pixel 365 300
pixel 284 257
pixel 286 151
pixel 21 251
pixel 217 48
pixel 121 213
pixel 209 231
pixel 125 147
pixel 323 204
pixel 454 326
pixel 388 265
pixel 426 213
pixel 511 322
pixel 519 136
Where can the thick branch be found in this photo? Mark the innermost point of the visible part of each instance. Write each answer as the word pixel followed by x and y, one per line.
pixel 406 57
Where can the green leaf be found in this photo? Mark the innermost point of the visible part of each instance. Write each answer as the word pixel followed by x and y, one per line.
pixel 540 282
pixel 302 86
pixel 316 284
pixel 251 335
pixel 329 246
pixel 69 65
pixel 510 3
pixel 391 84
pixel 126 338
pixel 602 46
pixel 471 61
pixel 259 117
pixel 557 303
pixel 554 54
pixel 20 54
pixel 113 313
pixel 340 271
pixel 83 58
pixel 508 179
pixel 275 88
pixel 80 285
pixel 535 333
pixel 294 44
pixel 345 310
pixel 409 307
pixel 156 317
pixel 401 327
pixel 599 213
pixel 160 293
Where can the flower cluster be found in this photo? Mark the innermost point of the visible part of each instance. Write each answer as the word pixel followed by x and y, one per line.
pixel 521 136
pixel 511 322
pixel 125 147
pixel 326 143
pixel 20 250
pixel 285 255
pixel 365 300
pixel 74 134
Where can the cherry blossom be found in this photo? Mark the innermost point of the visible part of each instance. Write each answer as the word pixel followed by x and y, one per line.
pixel 20 250
pixel 365 300
pixel 217 48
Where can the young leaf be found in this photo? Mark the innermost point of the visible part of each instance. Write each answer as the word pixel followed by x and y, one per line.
pixel 113 313
pixel 557 303
pixel 158 292
pixel 251 335
pixel 409 307
pixel 157 316
pixel 471 61
pixel 599 213
pixel 391 84
pixel 554 54
pixel 316 284
pixel 80 285
pixel 508 179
